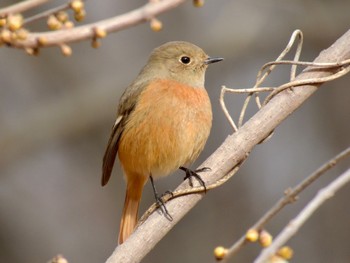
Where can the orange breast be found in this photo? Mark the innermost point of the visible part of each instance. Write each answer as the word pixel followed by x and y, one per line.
pixel 167 129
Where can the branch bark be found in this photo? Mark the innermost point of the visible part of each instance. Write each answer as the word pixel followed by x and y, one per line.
pixel 235 149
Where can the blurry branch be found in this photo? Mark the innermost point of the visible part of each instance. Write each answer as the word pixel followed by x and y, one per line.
pixel 232 152
pixel 64 33
pixel 294 225
pixel 291 195
pixel 21 7
pixel 46 14
pixel 44 123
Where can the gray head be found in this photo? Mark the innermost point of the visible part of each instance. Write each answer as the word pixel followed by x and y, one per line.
pixel 180 61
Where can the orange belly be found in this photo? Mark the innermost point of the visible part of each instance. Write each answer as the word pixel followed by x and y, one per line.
pixel 167 129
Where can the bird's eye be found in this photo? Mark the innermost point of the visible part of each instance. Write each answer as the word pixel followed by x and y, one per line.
pixel 185 60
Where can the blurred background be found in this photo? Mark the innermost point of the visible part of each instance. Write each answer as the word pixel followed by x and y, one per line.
pixel 56 114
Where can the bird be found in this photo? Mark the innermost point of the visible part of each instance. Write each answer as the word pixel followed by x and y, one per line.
pixel 163 121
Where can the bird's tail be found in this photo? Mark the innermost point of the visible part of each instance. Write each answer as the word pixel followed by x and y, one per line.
pixel 130 210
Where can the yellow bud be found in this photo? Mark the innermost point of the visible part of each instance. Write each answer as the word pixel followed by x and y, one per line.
pixel 62 260
pixel 285 252
pixel 77 5
pixel 66 50
pixel 6 35
pixel 62 16
pixel 252 235
pixel 198 3
pixel 21 34
pixel 100 33
pixel 276 259
pixel 220 252
pixel 2 22
pixel 53 23
pixel 15 22
pixel 42 41
pixel 79 16
pixel 95 43
pixel 68 24
pixel 156 25
pixel 265 238
pixel 58 259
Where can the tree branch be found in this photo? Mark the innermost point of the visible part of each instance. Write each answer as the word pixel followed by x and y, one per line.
pixel 290 197
pixel 295 224
pixel 235 149
pixel 137 16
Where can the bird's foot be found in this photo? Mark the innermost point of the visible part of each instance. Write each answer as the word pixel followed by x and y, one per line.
pixel 159 201
pixel 190 174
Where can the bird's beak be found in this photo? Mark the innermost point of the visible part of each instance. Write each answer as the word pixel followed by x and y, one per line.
pixel 212 60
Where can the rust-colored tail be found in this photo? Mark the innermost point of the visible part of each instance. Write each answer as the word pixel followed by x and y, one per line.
pixel 130 210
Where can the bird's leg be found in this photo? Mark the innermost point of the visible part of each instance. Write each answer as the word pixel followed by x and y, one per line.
pixel 190 174
pixel 160 201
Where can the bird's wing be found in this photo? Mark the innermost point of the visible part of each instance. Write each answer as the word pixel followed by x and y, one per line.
pixel 111 151
pixel 126 106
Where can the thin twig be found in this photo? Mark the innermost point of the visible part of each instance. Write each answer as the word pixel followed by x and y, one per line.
pixel 290 197
pixel 311 81
pixel 296 34
pixel 244 108
pixel 267 68
pixel 305 63
pixel 21 7
pixel 263 73
pixel 224 109
pixel 250 90
pixel 46 13
pixel 294 225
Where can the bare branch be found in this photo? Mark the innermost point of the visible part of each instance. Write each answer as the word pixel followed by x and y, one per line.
pixel 269 67
pixel 340 68
pixel 317 80
pixel 234 150
pixel 295 224
pixel 290 197
pixel 113 24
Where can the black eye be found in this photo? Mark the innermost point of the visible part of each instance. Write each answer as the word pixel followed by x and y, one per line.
pixel 185 60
